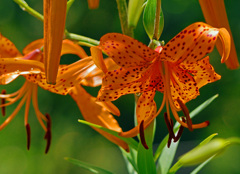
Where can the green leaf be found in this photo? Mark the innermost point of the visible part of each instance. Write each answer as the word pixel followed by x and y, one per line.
pixel 209 138
pixel 134 12
pixel 130 160
pixel 87 166
pixel 167 157
pixel 69 4
pixel 130 141
pixel 145 156
pixel 149 15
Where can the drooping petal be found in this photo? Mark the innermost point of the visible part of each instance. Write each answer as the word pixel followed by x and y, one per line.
pixel 19 66
pixel 68 47
pixel 7 48
pixel 54 25
pixel 203 72
pixel 98 58
pixel 146 106
pixel 193 43
pixel 126 51
pixel 215 14
pixel 68 76
pixel 97 114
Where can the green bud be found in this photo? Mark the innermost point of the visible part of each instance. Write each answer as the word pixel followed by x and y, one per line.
pixel 149 16
pixel 134 12
pixel 202 153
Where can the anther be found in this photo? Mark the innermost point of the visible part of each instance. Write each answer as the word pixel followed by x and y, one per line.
pixel 180 131
pixel 186 113
pixel 28 136
pixel 3 102
pixel 142 137
pixel 170 129
pixel 48 135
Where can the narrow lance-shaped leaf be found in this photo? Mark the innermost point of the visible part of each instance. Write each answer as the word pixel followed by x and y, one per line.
pixel 87 166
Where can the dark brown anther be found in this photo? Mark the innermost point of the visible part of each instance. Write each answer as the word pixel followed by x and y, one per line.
pixel 186 114
pixel 28 136
pixel 48 135
pixel 180 131
pixel 170 129
pixel 142 137
pixel 3 102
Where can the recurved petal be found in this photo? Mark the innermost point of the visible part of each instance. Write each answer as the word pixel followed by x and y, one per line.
pixel 203 72
pixel 18 65
pixel 126 51
pixel 97 114
pixel 193 43
pixel 7 48
pixel 183 86
pixel 68 76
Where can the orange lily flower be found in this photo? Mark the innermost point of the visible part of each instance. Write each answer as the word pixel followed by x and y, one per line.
pixel 31 63
pixel 93 4
pixel 215 14
pixel 54 25
pixel 177 70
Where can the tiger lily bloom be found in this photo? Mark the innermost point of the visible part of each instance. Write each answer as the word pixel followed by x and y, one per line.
pixel 31 63
pixel 93 4
pixel 215 14
pixel 54 25
pixel 177 69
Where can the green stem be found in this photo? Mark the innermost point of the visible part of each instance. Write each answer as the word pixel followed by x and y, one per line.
pixel 81 39
pixel 24 6
pixel 122 11
pixel 157 20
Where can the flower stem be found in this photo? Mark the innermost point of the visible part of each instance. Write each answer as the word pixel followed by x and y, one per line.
pixel 24 6
pixel 122 11
pixel 157 20
pixel 83 40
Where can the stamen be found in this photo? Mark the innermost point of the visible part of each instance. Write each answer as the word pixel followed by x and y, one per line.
pixel 142 137
pixel 180 131
pixel 170 129
pixel 186 113
pixel 3 100
pixel 48 135
pixel 28 136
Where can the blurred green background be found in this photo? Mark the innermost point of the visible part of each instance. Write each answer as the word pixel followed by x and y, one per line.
pixel 70 138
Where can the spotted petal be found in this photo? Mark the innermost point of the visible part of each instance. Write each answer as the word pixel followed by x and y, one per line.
pixel 126 51
pixel 7 48
pixel 68 76
pixel 194 42
pixel 203 72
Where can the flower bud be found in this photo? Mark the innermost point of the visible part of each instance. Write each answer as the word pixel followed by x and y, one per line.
pixel 134 12
pixel 202 153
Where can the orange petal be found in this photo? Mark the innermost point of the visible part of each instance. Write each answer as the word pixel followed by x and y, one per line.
pixel 215 14
pixel 98 58
pixel 93 4
pixel 10 65
pixel 69 47
pixel 7 48
pixel 192 43
pixel 68 76
pixel 203 72
pixel 97 114
pixel 146 106
pixel 37 44
pixel 126 51
pixel 54 25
